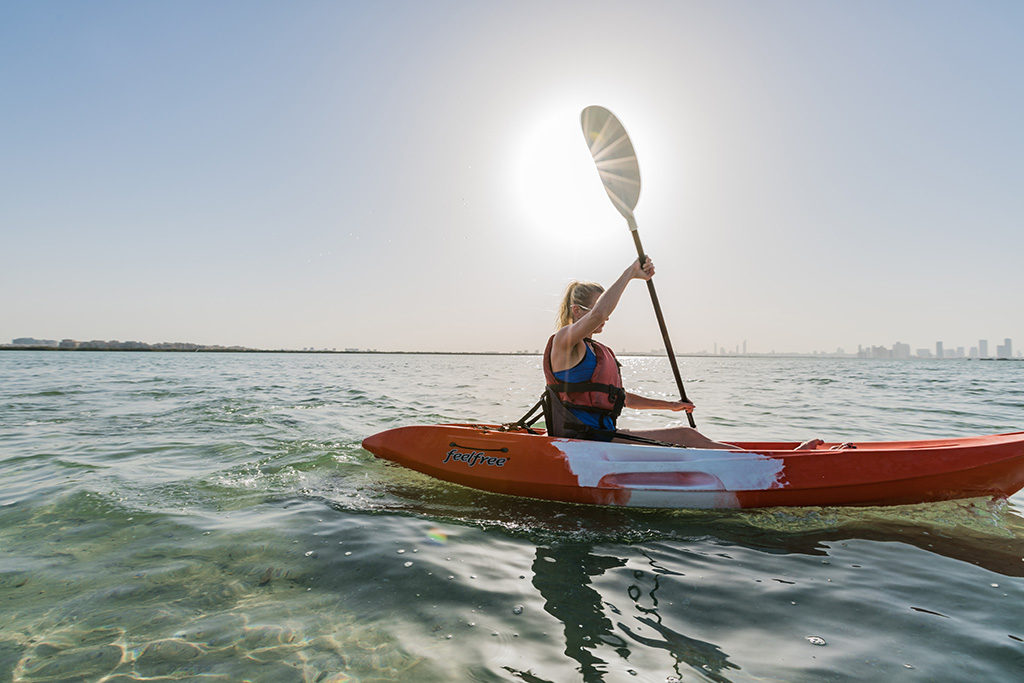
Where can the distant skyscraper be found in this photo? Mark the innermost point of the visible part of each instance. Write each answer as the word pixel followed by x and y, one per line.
pixel 1005 350
pixel 900 350
pixel 939 353
pixel 983 348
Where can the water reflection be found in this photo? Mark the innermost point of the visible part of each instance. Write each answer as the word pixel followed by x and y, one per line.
pixel 988 533
pixel 699 654
pixel 564 576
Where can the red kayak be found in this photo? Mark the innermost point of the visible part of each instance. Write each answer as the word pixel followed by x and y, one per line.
pixel 521 463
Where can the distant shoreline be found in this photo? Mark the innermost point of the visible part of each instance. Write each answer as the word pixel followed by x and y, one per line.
pixel 214 349
pixel 201 349
pixel 314 351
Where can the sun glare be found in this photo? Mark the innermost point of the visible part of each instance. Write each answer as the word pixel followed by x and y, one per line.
pixel 557 188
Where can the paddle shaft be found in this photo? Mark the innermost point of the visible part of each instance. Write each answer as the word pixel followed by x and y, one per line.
pixel 661 323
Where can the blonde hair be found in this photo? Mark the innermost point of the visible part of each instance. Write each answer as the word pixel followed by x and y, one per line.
pixel 578 293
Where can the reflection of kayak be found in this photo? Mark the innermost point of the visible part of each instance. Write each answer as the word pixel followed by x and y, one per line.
pixel 761 475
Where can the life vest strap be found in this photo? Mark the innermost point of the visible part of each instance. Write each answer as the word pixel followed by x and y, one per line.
pixel 617 396
pixel 581 387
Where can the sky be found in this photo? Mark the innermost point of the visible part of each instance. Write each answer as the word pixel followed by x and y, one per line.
pixel 412 176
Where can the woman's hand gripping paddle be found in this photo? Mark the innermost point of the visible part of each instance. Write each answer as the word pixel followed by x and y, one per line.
pixel 617 165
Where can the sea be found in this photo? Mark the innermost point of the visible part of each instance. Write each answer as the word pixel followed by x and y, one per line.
pixel 213 517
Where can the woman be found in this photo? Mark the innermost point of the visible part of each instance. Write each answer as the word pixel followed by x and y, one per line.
pixel 584 384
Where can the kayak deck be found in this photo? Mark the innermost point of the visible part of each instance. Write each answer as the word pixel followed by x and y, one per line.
pixel 761 474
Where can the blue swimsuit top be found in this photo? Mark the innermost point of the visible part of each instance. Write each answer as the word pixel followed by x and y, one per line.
pixel 582 372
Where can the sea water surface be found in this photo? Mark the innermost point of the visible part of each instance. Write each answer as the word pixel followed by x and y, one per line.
pixel 171 516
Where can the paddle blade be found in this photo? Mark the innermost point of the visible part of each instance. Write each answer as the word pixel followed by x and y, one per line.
pixel 616 161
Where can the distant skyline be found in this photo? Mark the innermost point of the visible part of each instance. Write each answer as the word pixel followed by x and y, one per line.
pixel 898 350
pixel 411 176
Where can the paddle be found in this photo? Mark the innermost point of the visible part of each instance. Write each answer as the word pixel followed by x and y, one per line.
pixel 620 172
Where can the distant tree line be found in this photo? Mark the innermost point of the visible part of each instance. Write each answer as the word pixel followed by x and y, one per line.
pixel 115 345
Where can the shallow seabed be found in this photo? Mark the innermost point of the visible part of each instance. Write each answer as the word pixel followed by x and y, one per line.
pixel 170 516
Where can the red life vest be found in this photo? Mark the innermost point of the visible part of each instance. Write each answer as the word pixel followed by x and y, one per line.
pixel 602 393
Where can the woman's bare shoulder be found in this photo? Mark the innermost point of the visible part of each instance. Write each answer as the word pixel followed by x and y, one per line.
pixel 564 349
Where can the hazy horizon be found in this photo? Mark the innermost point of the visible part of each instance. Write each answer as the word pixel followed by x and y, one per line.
pixel 411 176
pixel 993 351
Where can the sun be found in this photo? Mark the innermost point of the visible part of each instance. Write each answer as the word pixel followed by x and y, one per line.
pixel 555 183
